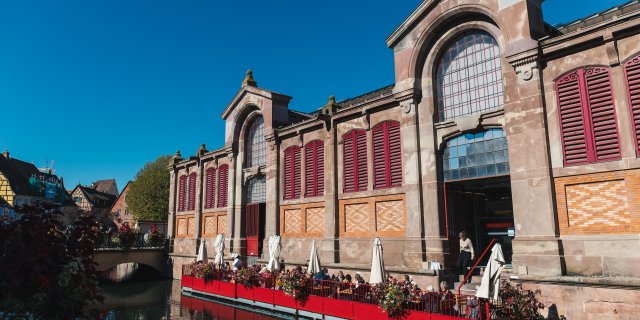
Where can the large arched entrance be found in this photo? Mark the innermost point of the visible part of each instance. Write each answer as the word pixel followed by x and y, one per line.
pixel 478 190
pixel 254 189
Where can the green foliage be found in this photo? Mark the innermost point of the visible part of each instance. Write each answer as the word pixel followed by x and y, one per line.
pixel 47 270
pixel 148 197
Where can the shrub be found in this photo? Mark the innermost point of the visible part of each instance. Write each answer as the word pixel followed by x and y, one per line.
pixel 517 303
pixel 294 283
pixel 126 237
pixel 154 237
pixel 203 270
pixel 47 270
pixel 249 277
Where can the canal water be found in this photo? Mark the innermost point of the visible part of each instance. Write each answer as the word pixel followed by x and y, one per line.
pixel 137 299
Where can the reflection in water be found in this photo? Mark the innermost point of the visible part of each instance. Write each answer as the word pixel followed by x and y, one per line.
pixel 162 299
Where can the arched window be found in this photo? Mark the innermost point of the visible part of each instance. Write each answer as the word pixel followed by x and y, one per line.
pixel 223 179
pixel 314 168
pixel 182 193
pixel 632 74
pixel 354 144
pixel 210 185
pixel 257 190
pixel 387 155
pixel 291 183
pixel 191 204
pixel 469 76
pixel 476 155
pixel 587 114
pixel 256 148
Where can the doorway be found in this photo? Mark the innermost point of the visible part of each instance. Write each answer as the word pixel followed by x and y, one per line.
pixel 483 208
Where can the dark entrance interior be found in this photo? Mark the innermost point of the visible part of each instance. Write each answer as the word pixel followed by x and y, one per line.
pixel 254 219
pixel 483 208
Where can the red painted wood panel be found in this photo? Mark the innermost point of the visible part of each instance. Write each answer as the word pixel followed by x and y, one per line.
pixel 244 292
pixel 632 75
pixel 191 201
pixel 291 183
pixel 387 155
pixel 263 295
pixel 354 144
pixel 368 311
pixel 223 179
pixel 281 299
pixel 210 186
pixel 313 304
pixel 182 193
pixel 227 289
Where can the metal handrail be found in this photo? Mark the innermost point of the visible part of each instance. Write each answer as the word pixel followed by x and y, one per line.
pixel 476 264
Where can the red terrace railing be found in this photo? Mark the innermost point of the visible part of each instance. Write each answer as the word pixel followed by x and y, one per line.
pixel 339 299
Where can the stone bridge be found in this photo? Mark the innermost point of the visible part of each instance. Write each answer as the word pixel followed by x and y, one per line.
pixel 109 258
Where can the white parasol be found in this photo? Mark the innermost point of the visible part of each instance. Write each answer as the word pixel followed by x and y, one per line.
pixel 274 253
pixel 314 260
pixel 491 279
pixel 202 252
pixel 219 245
pixel 377 263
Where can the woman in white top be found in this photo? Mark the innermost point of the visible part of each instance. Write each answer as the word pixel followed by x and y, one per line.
pixel 466 253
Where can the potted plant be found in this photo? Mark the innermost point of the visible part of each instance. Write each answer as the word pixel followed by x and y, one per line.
pixel 126 236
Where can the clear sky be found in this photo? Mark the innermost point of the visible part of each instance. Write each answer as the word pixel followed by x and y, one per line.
pixel 102 87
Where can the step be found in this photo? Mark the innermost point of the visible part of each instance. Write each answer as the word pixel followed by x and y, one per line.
pixel 474 278
pixel 467 289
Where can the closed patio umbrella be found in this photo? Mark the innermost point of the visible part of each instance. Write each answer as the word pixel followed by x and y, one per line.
pixel 377 263
pixel 274 253
pixel 314 260
pixel 202 252
pixel 491 279
pixel 219 245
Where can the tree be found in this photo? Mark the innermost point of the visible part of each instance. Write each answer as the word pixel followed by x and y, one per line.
pixel 148 196
pixel 48 270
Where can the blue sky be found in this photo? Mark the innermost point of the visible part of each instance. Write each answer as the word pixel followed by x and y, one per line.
pixel 102 87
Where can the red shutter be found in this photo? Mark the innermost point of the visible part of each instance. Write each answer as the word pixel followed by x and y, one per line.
pixel 309 169
pixel 380 156
pixel 587 116
pixel 395 154
pixel 295 193
pixel 632 74
pixel 292 173
pixel 287 172
pixel 223 178
pixel 192 192
pixel 319 166
pixel 387 155
pixel 182 193
pixel 571 115
pixel 349 164
pixel 361 157
pixel 603 114
pixel 211 175
pixel 314 168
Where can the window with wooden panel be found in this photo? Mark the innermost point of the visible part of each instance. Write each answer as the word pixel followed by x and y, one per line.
pixel 387 155
pixel 354 146
pixel 210 178
pixel 182 193
pixel 223 179
pixel 314 168
pixel 632 74
pixel 291 176
pixel 586 110
pixel 191 201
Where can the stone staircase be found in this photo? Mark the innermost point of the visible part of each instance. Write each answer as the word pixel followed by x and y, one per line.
pixel 469 288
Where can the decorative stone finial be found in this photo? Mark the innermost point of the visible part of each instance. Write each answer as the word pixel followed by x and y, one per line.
pixel 248 80
pixel 331 106
pixel 201 152
pixel 175 159
pixel 177 155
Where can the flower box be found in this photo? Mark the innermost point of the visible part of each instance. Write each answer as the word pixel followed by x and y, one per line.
pixel 212 286
pixel 369 312
pixel 283 300
pixel 198 284
pixel 338 308
pixel 263 295
pixel 187 281
pixel 244 292
pixel 227 289
pixel 313 304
